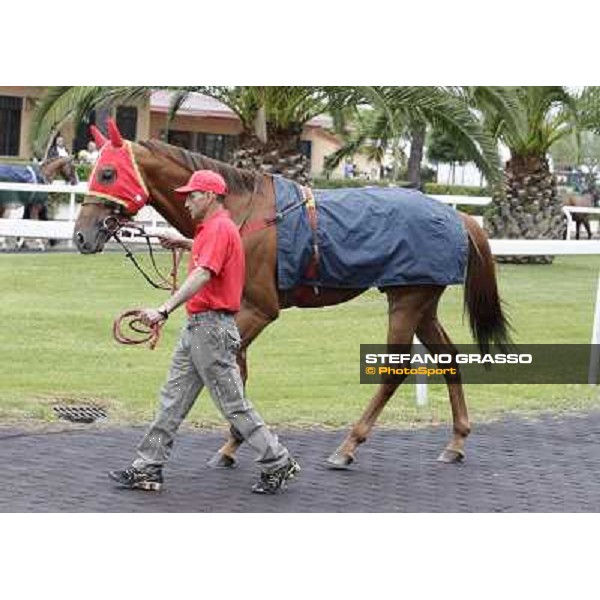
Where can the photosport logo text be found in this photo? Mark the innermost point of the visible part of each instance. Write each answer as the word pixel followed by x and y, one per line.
pixel 522 364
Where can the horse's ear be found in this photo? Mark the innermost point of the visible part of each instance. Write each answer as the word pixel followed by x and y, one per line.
pixel 98 136
pixel 115 135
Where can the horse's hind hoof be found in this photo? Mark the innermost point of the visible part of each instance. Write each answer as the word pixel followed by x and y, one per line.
pixel 222 461
pixel 339 461
pixel 451 456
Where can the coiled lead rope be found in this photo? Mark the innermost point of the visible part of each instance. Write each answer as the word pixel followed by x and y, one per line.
pixel 131 318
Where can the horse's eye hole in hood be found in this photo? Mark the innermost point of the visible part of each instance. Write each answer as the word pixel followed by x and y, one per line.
pixel 106 175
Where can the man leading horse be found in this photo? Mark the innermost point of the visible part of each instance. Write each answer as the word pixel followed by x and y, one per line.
pixel 429 245
pixel 206 354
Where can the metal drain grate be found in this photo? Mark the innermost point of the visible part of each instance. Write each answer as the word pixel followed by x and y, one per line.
pixel 80 414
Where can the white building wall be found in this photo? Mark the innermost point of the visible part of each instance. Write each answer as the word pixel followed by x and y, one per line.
pixel 467 174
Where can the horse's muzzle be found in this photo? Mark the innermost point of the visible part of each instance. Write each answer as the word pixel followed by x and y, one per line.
pixel 84 245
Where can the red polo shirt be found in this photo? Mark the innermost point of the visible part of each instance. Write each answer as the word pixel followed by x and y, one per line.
pixel 218 248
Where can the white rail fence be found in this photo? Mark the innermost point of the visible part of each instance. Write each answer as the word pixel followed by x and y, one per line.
pixel 63 229
pixel 62 226
pixel 547 247
pixel 569 211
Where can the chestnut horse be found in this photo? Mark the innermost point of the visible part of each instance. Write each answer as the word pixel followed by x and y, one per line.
pixel 586 201
pixel 36 203
pixel 251 203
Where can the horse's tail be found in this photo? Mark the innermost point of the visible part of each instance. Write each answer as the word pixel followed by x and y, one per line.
pixel 488 322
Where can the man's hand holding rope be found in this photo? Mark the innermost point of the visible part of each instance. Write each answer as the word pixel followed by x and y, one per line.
pixel 171 242
pixel 154 318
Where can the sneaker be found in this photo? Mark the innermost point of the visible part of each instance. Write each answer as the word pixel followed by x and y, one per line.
pixel 150 479
pixel 275 481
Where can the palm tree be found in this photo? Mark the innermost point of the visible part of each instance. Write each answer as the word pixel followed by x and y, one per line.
pixel 404 112
pixel 588 109
pixel 441 148
pixel 273 117
pixel 367 131
pixel 528 206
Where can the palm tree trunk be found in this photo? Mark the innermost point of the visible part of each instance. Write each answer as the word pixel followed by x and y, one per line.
pixel 280 155
pixel 417 143
pixel 529 208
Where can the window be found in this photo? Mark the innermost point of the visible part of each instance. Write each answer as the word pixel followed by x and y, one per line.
pixel 127 121
pixel 306 148
pixel 214 145
pixel 183 139
pixel 126 118
pixel 10 125
pixel 218 146
pixel 83 135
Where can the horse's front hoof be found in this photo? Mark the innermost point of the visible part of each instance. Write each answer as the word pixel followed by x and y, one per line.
pixel 339 461
pixel 451 456
pixel 222 461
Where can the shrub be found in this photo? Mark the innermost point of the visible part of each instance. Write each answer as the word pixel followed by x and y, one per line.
pixel 429 188
pixel 329 184
pixel 83 171
pixel 456 190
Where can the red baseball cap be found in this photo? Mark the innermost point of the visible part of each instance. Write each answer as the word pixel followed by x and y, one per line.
pixel 204 181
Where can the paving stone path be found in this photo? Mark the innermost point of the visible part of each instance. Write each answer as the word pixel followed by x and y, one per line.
pixel 548 464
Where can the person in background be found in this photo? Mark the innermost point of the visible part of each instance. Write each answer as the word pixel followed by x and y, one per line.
pixel 58 149
pixel 90 154
pixel 348 170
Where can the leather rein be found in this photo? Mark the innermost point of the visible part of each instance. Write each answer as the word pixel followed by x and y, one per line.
pixel 112 226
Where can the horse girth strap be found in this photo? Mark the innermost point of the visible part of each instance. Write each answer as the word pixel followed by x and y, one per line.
pixel 312 271
pixel 308 200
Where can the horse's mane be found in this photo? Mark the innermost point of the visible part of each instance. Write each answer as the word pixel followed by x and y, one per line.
pixel 54 161
pixel 238 180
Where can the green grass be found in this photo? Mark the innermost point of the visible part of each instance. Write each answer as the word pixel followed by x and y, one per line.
pixel 56 345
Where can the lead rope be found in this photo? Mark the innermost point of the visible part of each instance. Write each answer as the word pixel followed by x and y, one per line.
pixel 163 284
pixel 131 318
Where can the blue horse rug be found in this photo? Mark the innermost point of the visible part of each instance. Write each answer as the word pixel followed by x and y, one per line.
pixel 367 237
pixel 21 174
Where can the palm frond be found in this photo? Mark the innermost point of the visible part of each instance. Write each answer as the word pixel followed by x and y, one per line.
pixel 535 118
pixel 447 111
pixel 73 103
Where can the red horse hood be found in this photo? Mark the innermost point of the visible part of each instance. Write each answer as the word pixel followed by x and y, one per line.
pixel 116 175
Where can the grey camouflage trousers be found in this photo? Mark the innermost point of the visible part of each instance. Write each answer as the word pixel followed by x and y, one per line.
pixel 205 356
